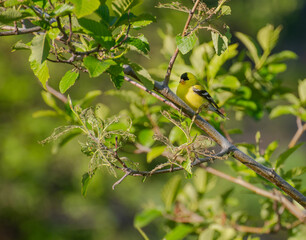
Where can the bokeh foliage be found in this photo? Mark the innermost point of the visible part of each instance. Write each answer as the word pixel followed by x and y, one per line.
pixel 41 197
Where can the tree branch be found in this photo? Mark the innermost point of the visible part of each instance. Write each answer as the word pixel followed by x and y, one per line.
pixel 260 169
pixel 172 60
pixel 277 196
pixel 18 31
pixel 299 132
pixel 56 94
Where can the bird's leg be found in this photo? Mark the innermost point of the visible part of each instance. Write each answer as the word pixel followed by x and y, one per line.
pixel 195 115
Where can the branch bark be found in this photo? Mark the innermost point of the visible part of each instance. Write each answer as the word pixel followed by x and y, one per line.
pixel 260 169
pixel 298 134
pixel 18 31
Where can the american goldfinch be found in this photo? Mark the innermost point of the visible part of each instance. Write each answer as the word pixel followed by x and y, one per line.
pixel 195 95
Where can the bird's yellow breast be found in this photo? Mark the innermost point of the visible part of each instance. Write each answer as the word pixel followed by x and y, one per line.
pixel 192 99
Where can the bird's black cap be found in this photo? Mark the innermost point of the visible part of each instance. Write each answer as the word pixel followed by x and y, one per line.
pixel 184 76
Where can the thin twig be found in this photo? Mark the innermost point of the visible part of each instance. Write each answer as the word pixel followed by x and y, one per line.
pixel 120 180
pixel 276 196
pixel 260 169
pixel 56 94
pixel 19 30
pixel 173 58
pixel 299 132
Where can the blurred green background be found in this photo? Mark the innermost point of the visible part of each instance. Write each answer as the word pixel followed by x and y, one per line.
pixel 40 188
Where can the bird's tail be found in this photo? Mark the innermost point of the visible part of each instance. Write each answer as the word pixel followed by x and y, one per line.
pixel 212 108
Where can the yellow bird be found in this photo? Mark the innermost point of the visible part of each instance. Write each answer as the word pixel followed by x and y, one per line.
pixel 195 95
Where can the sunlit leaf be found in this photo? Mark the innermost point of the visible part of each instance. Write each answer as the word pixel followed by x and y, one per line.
pixel 270 149
pixel 179 232
pixel 170 191
pixel 40 48
pixel 217 61
pixel 63 9
pixel 185 44
pixel 122 6
pixel 250 45
pixel 10 15
pixel 221 41
pixel 154 153
pixel 86 179
pixel 282 110
pixel 285 155
pixel 145 137
pixel 302 90
pixel 41 71
pixel 20 46
pixel 280 57
pixel 145 217
pixel 96 67
pixel 140 43
pixel 68 80
pixel 267 37
pixel 85 7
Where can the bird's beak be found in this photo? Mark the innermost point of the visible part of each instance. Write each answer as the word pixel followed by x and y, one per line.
pixel 182 81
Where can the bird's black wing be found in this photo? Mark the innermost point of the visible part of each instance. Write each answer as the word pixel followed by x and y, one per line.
pixel 206 95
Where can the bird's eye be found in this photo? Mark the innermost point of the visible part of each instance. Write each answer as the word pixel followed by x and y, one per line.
pixel 184 76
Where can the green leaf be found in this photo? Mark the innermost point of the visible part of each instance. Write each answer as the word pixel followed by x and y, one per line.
pixel 155 152
pixel 89 97
pixel 40 48
pixel 140 43
pixel 221 41
pixel 226 10
pixel 257 137
pixel 11 3
pixel 177 135
pixel 267 37
pixel 207 234
pixel 280 57
pixel 49 100
pixel 63 9
pixel 302 91
pixel 44 113
pixel 187 166
pixel 217 61
pixel 102 111
pixel 145 78
pixel 185 44
pixel 246 104
pixel 284 156
pixel 85 7
pixel 228 81
pixel 10 15
pixel 122 6
pixel 145 137
pixel 86 179
pixel 277 68
pixel 146 217
pixel 41 71
pixel 295 172
pixel 250 45
pixel 53 33
pixel 20 46
pixel 282 110
pixel 99 31
pixel 117 75
pixel 95 66
pixel 179 232
pixel 170 191
pixel 200 180
pixel 68 80
pixel 143 20
pixel 270 149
